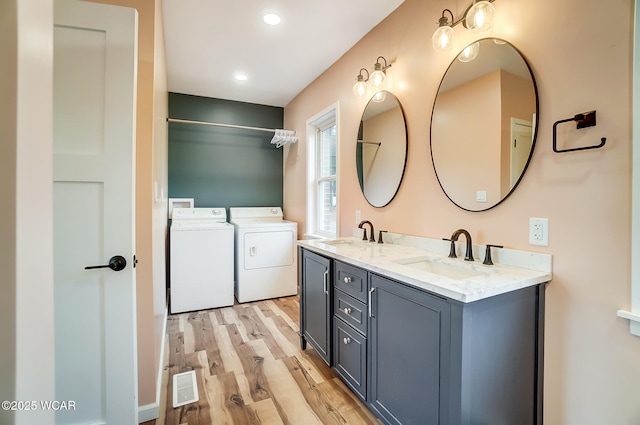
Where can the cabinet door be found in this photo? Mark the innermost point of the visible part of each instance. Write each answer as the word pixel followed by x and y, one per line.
pixel 315 311
pixel 409 349
pixel 350 356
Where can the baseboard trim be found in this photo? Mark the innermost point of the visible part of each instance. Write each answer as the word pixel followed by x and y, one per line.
pixel 148 412
pixel 151 411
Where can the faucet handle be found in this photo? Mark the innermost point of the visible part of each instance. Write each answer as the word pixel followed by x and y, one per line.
pixel 364 238
pixel 452 250
pixel 380 236
pixel 487 254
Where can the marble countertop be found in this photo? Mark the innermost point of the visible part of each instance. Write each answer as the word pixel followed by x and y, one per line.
pixel 423 263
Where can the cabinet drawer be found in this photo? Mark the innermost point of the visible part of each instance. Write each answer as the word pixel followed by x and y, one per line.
pixel 350 357
pixel 351 280
pixel 350 310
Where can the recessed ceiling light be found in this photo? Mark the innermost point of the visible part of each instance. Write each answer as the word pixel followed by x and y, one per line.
pixel 271 19
pixel 241 77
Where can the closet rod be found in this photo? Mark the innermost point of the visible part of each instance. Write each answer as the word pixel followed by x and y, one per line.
pixel 215 124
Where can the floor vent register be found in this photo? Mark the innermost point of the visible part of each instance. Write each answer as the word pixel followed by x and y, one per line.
pixel 185 388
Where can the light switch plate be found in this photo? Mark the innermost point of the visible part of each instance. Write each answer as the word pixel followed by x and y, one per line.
pixel 481 196
pixel 539 231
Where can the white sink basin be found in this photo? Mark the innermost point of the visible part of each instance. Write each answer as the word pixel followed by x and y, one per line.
pixel 436 266
pixel 339 242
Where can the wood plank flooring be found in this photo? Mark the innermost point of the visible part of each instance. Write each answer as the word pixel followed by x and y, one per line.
pixel 250 370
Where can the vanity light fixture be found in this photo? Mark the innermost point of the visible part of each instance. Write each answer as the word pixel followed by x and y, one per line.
pixel 477 18
pixel 373 80
pixel 379 72
pixel 360 88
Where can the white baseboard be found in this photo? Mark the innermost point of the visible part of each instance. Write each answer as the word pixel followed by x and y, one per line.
pixel 151 411
pixel 148 412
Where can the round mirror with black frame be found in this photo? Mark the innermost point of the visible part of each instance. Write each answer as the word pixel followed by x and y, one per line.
pixel 484 124
pixel 381 148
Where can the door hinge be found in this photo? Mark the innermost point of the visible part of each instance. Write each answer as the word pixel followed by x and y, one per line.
pixel 135 261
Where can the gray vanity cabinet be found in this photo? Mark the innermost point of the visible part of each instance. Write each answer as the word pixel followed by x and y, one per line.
pixel 409 334
pixel 415 357
pixel 315 302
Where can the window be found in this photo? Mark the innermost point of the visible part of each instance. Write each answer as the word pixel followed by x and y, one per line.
pixel 326 180
pixel 322 196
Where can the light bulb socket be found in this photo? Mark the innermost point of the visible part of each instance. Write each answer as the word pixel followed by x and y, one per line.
pixel 444 21
pixel 378 66
pixel 360 77
pixel 361 88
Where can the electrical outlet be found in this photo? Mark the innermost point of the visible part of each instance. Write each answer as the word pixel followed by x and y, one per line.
pixel 358 218
pixel 539 231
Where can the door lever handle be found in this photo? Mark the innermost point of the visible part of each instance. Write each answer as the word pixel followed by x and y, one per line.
pixel 116 263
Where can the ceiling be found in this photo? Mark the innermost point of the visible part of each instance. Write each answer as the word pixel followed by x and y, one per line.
pixel 209 41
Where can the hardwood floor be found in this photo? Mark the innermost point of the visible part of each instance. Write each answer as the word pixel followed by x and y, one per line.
pixel 250 370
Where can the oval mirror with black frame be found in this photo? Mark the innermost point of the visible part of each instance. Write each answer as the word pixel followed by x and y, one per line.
pixel 484 124
pixel 381 148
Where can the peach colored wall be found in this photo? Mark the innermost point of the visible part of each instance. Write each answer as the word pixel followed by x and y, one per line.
pixel 580 55
pixel 151 167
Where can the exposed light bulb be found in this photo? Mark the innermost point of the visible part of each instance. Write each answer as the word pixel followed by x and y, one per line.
pixel 379 96
pixel 479 17
pixel 360 88
pixel 377 78
pixel 443 39
pixel 469 53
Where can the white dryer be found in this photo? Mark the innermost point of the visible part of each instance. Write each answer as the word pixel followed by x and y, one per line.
pixel 201 253
pixel 265 263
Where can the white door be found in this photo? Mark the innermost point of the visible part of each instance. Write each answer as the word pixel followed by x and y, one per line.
pixel 94 139
pixel 521 143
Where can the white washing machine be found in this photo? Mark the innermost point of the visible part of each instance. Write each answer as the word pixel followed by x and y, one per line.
pixel 265 263
pixel 201 252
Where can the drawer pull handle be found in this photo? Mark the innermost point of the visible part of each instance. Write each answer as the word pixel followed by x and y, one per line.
pixel 346 341
pixel 347 310
pixel 347 279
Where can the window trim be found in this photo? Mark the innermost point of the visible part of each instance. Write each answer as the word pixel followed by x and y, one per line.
pixel 633 314
pixel 314 124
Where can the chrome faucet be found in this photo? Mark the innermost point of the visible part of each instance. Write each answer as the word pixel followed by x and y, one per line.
pixel 361 226
pixel 469 250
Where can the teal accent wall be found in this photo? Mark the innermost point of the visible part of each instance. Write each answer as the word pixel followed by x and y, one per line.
pixel 224 167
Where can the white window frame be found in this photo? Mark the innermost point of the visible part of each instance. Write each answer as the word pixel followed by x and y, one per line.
pixel 315 124
pixel 633 314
